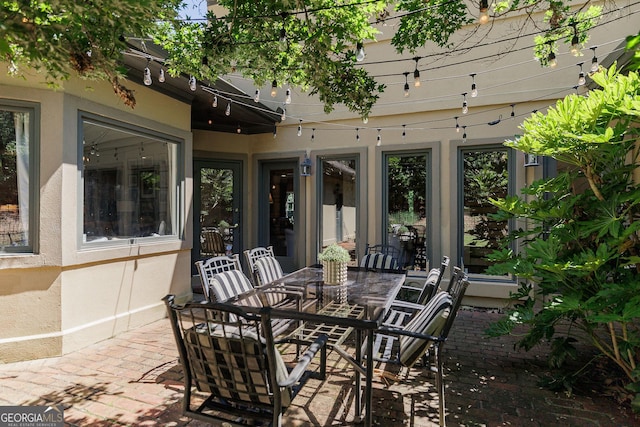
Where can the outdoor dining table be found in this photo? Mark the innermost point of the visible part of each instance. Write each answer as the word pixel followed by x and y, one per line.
pixel 359 305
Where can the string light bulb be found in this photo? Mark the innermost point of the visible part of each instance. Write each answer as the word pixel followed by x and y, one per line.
pixel 214 103
pixel 474 89
pixel 416 74
pixel 360 55
pixel 581 77
pixel 239 130
pixel 161 77
pixel 379 138
pixel 283 117
pixel 406 84
pixel 575 43
pixel 287 99
pixel 275 131
pixel 192 84
pixel 357 134
pixel 465 107
pixel 483 18
pixel 464 134
pixel 256 98
pixel 404 132
pixel 457 125
pixel 274 88
pixel 313 134
pixel 147 74
pixel 594 61
pixel 513 110
pixel 552 62
pixel 227 111
pixel 299 128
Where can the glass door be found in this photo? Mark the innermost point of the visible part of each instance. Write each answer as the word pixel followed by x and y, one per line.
pixel 217 204
pixel 278 211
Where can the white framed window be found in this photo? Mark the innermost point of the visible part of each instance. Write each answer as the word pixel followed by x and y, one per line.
pixel 19 138
pixel 130 182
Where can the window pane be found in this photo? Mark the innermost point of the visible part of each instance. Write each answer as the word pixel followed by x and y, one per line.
pixel 281 211
pixel 339 213
pixel 486 176
pixel 130 182
pixel 406 208
pixel 15 133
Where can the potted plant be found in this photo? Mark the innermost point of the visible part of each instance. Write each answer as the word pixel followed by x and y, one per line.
pixel 334 261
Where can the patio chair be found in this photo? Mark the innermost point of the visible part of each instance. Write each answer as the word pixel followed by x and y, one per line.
pixel 231 358
pixel 209 267
pixel 212 243
pixel 382 249
pixel 252 255
pixel 413 291
pixel 379 262
pixel 422 334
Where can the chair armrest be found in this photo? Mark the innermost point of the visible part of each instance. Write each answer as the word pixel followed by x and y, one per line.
pixel 304 360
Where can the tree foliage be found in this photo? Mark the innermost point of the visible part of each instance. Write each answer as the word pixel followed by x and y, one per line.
pixel 581 249
pixel 307 43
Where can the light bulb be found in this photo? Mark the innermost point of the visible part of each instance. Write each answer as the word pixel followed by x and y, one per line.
pixel 465 107
pixel 147 77
pixel 239 130
pixel 192 84
pixel 404 132
pixel 464 135
pixel 457 125
pixel 581 79
pixel 483 18
pixel 274 88
pixel 416 78
pixel 379 139
pixel 594 61
pixel 474 89
pixel 161 77
pixel 365 120
pixel 256 98
pixel 214 104
pixel 275 132
pixel 283 117
pixel 551 60
pixel 406 90
pixel 360 52
pixel 357 134
pixel 287 99
pixel 313 134
pixel 227 112
pixel 575 46
pixel 300 128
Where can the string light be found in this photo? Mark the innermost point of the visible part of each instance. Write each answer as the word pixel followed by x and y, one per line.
pixel 379 139
pixel 581 77
pixel 227 112
pixel 313 134
pixel 404 132
pixel 161 77
pixel 513 110
pixel 287 99
pixel 283 117
pixel 457 125
pixel 365 120
pixel 275 131
pixel 406 84
pixel 474 89
pixel 147 74
pixel 360 55
pixel 575 43
pixel 300 128
pixel 256 98
pixel 416 73
pixel 465 107
pixel 464 134
pixel 483 18
pixel 357 134
pixel 552 62
pixel 214 104
pixel 594 61
pixel 192 84
pixel 274 88
pixel 239 130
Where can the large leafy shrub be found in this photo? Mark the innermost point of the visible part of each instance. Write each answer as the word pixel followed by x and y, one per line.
pixel 579 263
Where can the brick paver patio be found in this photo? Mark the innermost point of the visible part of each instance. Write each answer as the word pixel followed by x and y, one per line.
pixel 136 380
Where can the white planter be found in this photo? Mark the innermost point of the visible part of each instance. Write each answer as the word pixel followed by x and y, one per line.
pixel 334 272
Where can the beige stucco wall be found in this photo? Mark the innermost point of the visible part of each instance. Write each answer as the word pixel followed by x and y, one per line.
pixel 64 297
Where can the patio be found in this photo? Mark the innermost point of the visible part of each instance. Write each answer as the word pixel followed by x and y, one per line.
pixel 135 379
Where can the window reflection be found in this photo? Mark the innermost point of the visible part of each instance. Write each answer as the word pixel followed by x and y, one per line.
pixel 130 183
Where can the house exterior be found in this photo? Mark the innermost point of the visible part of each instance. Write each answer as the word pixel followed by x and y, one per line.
pixel 111 201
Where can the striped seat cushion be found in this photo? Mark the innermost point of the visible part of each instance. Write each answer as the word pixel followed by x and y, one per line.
pixel 267 270
pixel 228 284
pixel 379 261
pixel 233 366
pixel 429 321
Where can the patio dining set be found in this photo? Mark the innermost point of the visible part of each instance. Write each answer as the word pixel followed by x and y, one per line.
pixel 232 344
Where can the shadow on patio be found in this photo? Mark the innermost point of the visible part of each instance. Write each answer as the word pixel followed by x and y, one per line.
pixel 135 380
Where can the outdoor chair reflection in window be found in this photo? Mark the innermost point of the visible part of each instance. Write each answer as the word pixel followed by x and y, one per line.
pixel 212 243
pixel 232 359
pixel 420 336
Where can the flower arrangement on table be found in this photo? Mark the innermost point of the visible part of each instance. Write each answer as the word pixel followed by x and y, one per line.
pixel 334 259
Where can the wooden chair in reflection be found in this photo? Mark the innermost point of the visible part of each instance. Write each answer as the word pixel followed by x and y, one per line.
pixel 212 243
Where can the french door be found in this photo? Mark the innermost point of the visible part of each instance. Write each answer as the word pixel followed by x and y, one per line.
pixel 217 202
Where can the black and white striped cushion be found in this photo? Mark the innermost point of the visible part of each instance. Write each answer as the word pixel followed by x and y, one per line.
pixel 267 270
pixel 429 321
pixel 228 284
pixel 379 261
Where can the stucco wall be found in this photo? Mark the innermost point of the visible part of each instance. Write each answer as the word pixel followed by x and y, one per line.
pixel 64 297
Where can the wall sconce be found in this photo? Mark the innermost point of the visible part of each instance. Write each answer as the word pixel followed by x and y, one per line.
pixel 305 166
pixel 530 160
